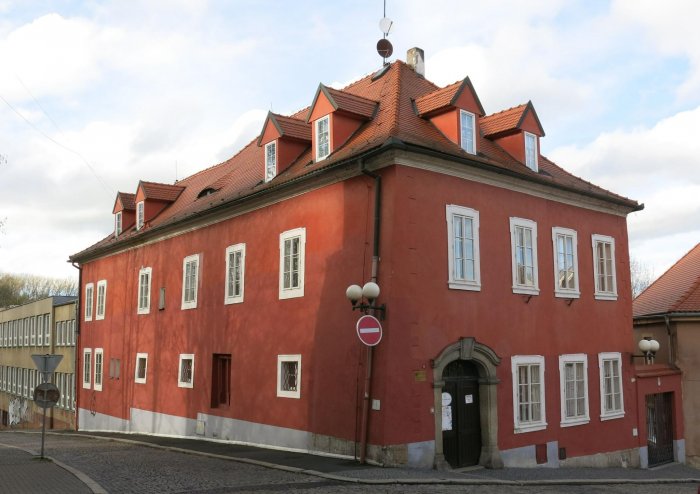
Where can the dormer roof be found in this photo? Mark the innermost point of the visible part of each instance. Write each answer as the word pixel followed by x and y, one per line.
pixel 345 102
pixel 124 202
pixel 446 98
pixel 282 126
pixel 160 192
pixel 510 121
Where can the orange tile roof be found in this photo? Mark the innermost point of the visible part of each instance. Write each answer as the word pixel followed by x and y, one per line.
pixel 445 97
pixel 390 96
pixel 128 200
pixel 507 120
pixel 293 127
pixel 677 290
pixel 161 192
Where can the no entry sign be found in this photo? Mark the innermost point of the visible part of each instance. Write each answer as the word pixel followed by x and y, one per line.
pixel 369 330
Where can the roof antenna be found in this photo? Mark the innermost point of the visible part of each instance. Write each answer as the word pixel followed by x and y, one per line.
pixel 384 47
pixel 175 171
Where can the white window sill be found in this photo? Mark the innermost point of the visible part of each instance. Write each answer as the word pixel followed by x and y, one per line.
pixel 457 285
pixel 605 296
pixel 574 422
pixel 233 300
pixel 188 306
pixel 184 385
pixel 143 311
pixel 611 416
pixel 524 290
pixel 563 294
pixel 292 293
pixel 288 394
pixel 520 429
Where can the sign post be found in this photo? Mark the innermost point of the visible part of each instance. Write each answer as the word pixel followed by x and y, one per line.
pixel 46 394
pixel 369 330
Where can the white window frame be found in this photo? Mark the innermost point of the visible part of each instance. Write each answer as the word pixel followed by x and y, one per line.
pixel 144 357
pixel 230 297
pixel 98 369
pixel 270 160
pixel 144 309
pixel 518 287
pixel 180 382
pixel 89 296
pixel 190 304
pixel 564 360
pixel 453 282
pixel 317 133
pixel 282 393
pixel 87 368
pixel 612 413
pixel 140 214
pixel 293 291
pixel 465 137
pixel 531 153
pixel 101 300
pixel 599 293
pixel 533 425
pixel 574 292
pixel 117 223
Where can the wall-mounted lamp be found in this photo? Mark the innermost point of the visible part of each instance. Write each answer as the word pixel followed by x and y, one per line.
pixel 648 347
pixel 370 292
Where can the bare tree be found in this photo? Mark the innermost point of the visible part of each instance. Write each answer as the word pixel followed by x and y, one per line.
pixel 17 289
pixel 641 276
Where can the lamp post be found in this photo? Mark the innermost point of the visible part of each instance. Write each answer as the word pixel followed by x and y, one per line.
pixel 648 347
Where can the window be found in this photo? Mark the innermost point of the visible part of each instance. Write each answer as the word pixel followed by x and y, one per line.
pixel 101 299
pixel 118 224
pixel 270 160
pixel 190 277
pixel 144 306
pixel 32 342
pixel 89 288
pixel 604 267
pixel 99 354
pixel 26 331
pixel 467 130
pixel 141 368
pixel 528 393
pixel 115 368
pixel 611 399
pixel 87 368
pixel 463 248
pixel 573 377
pixel 523 241
pixel 139 215
pixel 235 273
pixel 531 151
pixel 565 263
pixel 292 248
pixel 221 380
pixel 289 376
pixel 323 138
pixel 185 377
pixel 47 328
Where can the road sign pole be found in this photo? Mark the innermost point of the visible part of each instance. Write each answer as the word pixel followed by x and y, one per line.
pixel 365 406
pixel 43 429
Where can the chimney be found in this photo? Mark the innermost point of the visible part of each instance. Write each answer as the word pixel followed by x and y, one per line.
pixel 415 58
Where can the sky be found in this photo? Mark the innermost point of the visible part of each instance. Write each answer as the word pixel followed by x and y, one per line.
pixel 97 95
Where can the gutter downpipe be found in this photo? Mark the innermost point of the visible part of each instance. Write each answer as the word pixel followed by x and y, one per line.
pixel 671 351
pixel 364 428
pixel 76 372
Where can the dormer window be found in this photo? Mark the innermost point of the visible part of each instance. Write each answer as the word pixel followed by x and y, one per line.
pixel 323 138
pixel 270 160
pixel 467 131
pixel 139 215
pixel 531 151
pixel 118 224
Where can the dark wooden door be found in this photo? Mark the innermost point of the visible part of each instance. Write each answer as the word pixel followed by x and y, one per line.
pixel 659 428
pixel 461 435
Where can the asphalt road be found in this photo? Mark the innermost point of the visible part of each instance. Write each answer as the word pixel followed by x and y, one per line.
pixel 130 468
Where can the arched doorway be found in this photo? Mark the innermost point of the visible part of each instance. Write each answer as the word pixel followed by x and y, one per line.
pixel 461 423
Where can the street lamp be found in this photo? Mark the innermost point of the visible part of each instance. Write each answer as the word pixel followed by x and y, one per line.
pixel 369 292
pixel 648 347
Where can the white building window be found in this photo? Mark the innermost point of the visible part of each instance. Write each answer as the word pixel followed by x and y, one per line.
pixel 87 367
pixel 611 396
pixel 99 358
pixel 323 138
pixel 89 291
pixel 235 273
pixel 528 393
pixel 467 129
pixel 185 375
pixel 289 376
pixel 604 267
pixel 531 151
pixel 463 248
pixel 144 303
pixel 565 250
pixel 190 281
pixel 141 368
pixel 101 299
pixel 117 224
pixel 270 160
pixel 523 243
pixel 292 262
pixel 139 215
pixel 573 378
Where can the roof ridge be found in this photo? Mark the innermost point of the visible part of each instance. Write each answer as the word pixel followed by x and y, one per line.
pixel 506 110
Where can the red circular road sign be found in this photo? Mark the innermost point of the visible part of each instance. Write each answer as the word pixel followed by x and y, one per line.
pixel 369 330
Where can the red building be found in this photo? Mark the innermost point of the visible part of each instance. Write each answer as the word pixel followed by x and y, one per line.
pixel 505 280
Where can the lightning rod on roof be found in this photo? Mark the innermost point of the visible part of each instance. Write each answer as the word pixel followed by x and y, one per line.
pixel 384 47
